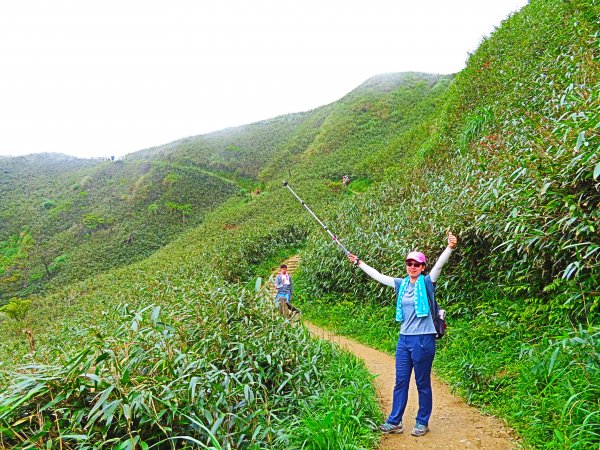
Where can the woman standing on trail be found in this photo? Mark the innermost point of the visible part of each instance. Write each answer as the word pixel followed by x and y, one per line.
pixel 416 344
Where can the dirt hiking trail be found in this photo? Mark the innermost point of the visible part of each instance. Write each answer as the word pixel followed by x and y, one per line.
pixel 453 424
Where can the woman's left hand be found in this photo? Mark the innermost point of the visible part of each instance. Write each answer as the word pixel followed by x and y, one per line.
pixel 451 240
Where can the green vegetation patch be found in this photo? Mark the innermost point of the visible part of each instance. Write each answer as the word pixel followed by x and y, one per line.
pixel 217 366
pixel 545 385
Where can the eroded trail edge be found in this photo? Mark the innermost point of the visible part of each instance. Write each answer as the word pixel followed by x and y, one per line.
pixel 453 423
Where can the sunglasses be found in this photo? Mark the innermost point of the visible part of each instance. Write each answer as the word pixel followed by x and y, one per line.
pixel 412 264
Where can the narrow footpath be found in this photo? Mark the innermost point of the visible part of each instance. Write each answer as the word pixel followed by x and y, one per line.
pixel 453 424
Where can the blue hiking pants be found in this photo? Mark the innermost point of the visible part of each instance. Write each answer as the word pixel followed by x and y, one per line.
pixel 413 351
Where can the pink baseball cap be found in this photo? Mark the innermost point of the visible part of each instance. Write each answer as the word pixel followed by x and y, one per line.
pixel 416 256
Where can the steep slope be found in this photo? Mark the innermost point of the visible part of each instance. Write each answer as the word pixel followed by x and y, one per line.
pixel 513 168
pixel 252 150
pixel 241 151
pixel 25 180
pixel 362 131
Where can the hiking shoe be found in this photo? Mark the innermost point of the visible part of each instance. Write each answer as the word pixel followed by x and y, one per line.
pixel 388 428
pixel 420 430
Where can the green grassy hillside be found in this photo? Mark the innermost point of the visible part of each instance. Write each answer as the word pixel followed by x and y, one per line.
pixel 515 172
pixel 67 219
pixel 97 316
pixel 179 347
pixel 241 151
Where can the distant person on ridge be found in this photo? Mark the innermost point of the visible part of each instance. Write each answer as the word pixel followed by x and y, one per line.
pixel 284 285
pixel 416 344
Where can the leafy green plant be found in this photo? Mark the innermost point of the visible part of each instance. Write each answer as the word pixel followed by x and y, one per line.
pixel 474 128
pixel 211 370
pixel 48 204
pixel 16 308
pixel 344 415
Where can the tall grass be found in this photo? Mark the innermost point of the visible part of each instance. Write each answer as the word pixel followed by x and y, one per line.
pixel 343 415
pixel 218 368
pixel 546 387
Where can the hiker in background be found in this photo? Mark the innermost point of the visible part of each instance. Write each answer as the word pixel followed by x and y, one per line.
pixel 283 298
pixel 345 180
pixel 416 344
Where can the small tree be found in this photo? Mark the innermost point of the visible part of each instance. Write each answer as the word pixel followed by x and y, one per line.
pixel 184 209
pixel 153 208
pixel 16 308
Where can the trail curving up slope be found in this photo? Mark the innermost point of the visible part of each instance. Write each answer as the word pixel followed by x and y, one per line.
pixel 453 425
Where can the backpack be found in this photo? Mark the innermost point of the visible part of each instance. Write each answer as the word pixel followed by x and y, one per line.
pixel 438 315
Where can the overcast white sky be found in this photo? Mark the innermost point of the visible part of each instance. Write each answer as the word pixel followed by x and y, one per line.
pixel 99 78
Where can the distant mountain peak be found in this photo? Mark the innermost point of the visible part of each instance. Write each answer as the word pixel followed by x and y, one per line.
pixel 386 82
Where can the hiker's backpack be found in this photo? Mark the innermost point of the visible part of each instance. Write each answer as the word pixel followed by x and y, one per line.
pixel 437 314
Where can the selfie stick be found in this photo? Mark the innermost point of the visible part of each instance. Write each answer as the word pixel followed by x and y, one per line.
pixel 333 236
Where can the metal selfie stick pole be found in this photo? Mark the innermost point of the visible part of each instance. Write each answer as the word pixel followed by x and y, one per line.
pixel 333 236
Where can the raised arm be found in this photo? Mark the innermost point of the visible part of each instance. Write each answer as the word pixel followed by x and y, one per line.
pixel 443 259
pixel 377 276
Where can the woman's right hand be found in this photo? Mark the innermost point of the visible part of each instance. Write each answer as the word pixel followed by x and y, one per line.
pixel 353 258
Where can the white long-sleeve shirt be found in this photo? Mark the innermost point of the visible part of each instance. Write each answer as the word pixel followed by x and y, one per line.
pixel 389 281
